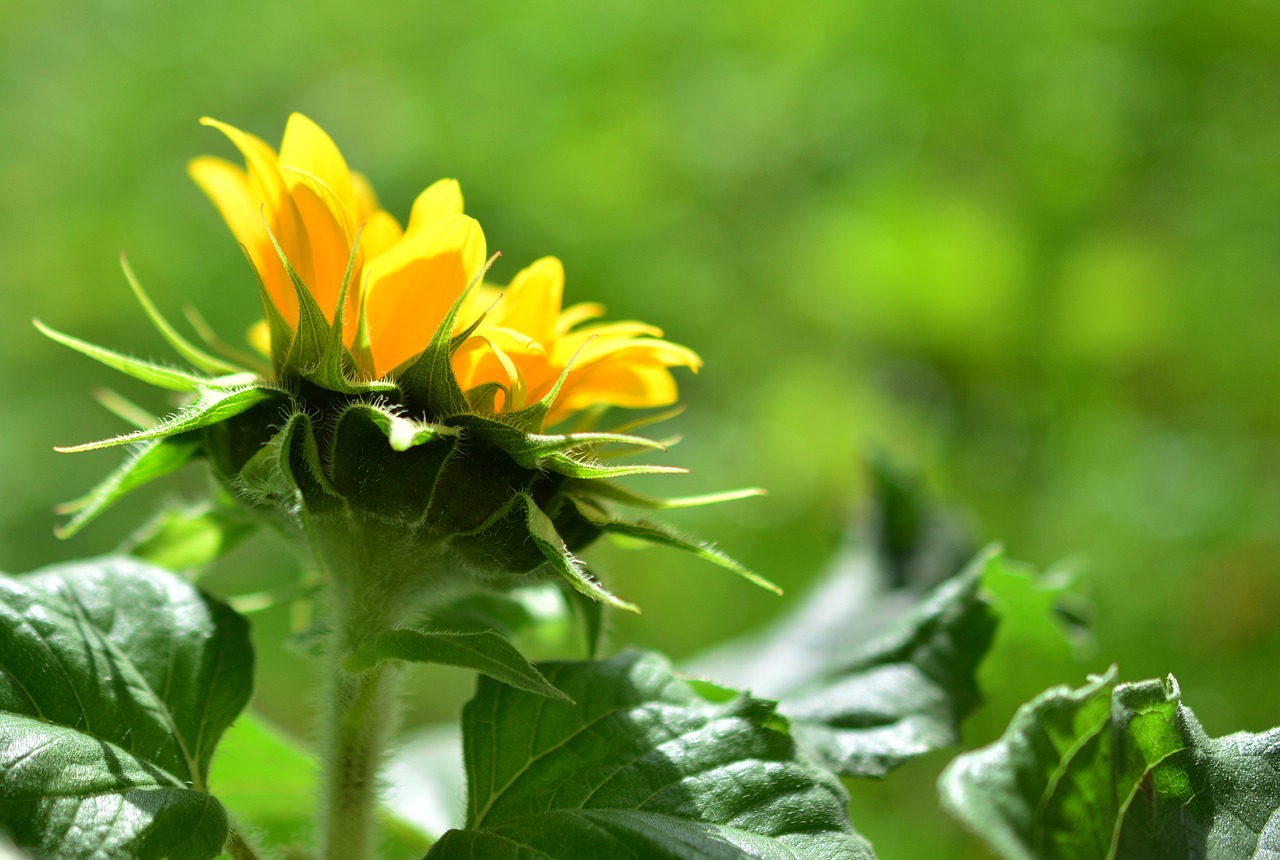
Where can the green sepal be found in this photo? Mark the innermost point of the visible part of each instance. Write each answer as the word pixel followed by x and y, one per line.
pixel 286 472
pixel 307 351
pixel 483 397
pixel 428 377
pixel 189 351
pixel 563 464
pixel 337 365
pixel 402 433
pixel 563 562
pixel 627 496
pixel 530 449
pixel 124 408
pixel 660 533
pixel 590 615
pixel 374 476
pixel 531 418
pixel 147 371
pixel 212 406
pixel 280 332
pixel 487 652
pixel 152 459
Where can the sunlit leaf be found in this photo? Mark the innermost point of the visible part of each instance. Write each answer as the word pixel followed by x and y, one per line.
pixel 117 680
pixel 646 764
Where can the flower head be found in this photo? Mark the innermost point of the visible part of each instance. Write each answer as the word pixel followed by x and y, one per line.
pixel 304 209
pixel 403 421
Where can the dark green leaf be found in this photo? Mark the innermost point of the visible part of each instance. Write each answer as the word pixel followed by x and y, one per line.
pixel 487 652
pixel 870 678
pixel 646 764
pixel 116 681
pixel 1108 771
pixel 905 693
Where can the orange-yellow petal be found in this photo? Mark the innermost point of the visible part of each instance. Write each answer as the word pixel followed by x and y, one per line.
pixel 268 194
pixel 380 233
pixel 440 199
pixel 330 231
pixel 531 303
pixel 307 148
pixel 366 197
pixel 410 288
pixel 634 383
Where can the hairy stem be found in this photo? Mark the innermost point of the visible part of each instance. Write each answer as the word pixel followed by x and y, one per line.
pixel 361 717
pixel 239 848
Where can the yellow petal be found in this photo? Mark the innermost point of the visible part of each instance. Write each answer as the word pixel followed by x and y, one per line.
pixel 380 233
pixel 366 199
pixel 307 148
pixel 228 187
pixel 330 232
pixel 579 313
pixel 634 383
pixel 411 287
pixel 440 199
pixel 268 194
pixel 531 303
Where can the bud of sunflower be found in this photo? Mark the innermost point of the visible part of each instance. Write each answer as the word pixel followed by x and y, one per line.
pixel 399 432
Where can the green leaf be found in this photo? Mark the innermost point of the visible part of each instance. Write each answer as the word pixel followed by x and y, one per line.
pixel 905 693
pixel 871 677
pixel 116 681
pixel 192 353
pixel 1107 771
pixel 210 407
pixel 151 460
pixel 487 652
pixel 646 764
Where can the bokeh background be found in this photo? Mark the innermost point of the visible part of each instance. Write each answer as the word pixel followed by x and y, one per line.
pixel 1028 251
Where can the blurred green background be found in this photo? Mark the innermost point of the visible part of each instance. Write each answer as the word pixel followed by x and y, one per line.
pixel 1029 250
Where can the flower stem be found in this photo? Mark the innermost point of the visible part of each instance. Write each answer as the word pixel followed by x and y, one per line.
pixel 361 718
pixel 239 848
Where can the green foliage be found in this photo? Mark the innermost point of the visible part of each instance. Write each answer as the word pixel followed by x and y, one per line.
pixel 118 681
pixel 487 652
pixel 645 763
pixel 1118 771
